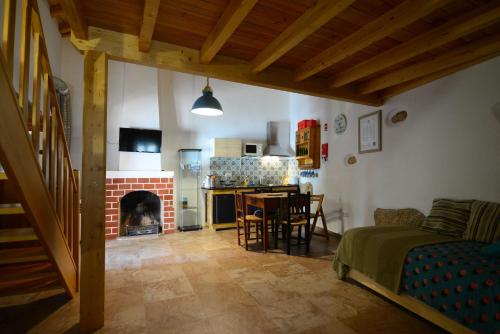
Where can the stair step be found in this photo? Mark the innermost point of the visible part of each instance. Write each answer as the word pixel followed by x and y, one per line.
pixel 11 210
pixel 27 277
pixel 14 221
pixel 22 255
pixel 16 271
pixel 17 234
pixel 31 283
pixel 8 193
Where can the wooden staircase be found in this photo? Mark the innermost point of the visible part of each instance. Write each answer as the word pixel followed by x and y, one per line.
pixel 39 190
pixel 24 263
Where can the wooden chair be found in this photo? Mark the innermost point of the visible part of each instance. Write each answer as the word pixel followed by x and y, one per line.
pixel 295 212
pixel 319 213
pixel 250 224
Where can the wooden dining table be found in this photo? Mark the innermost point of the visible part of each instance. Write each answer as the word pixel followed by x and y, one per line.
pixel 267 202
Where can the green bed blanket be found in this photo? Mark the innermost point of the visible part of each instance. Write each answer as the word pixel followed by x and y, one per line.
pixel 379 252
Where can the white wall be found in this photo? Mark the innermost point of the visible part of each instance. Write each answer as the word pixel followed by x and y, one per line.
pixel 72 74
pixel 448 147
pixel 52 36
pixel 310 107
pixel 247 109
pixel 132 103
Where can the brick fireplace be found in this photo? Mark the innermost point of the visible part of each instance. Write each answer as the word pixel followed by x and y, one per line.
pixel 121 183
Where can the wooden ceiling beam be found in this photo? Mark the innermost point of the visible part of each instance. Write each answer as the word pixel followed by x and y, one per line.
pixel 232 17
pixel 123 47
pixel 151 8
pixel 480 48
pixel 448 32
pixel 400 16
pixel 74 16
pixel 314 18
pixel 406 86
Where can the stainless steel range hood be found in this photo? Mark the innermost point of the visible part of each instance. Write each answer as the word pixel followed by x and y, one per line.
pixel 278 139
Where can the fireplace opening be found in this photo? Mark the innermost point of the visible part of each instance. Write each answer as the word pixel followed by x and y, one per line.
pixel 140 213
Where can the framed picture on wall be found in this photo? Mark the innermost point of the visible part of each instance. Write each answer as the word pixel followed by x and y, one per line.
pixel 370 132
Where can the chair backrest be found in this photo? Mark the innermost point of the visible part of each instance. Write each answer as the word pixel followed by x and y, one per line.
pixel 293 190
pixel 238 204
pixel 319 199
pixel 297 203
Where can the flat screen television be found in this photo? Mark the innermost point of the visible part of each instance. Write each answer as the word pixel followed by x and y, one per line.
pixel 140 140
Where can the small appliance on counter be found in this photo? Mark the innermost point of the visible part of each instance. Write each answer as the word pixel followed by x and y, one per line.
pixel 209 181
pixel 252 149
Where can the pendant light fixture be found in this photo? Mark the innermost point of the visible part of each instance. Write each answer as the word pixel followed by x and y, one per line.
pixel 207 104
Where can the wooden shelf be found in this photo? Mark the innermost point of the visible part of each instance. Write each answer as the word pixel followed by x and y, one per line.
pixel 308 138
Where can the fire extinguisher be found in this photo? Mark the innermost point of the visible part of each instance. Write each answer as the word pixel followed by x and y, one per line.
pixel 324 151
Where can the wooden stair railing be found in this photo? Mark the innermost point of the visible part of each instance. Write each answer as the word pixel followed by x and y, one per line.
pixel 38 176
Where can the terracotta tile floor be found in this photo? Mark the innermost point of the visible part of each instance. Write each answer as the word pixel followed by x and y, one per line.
pixel 203 282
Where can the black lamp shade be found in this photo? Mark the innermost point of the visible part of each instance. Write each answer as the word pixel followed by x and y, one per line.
pixel 207 104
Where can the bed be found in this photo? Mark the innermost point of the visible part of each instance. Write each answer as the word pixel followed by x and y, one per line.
pixel 445 280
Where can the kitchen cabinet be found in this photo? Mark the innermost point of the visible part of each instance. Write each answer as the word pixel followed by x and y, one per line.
pixel 307 147
pixel 226 147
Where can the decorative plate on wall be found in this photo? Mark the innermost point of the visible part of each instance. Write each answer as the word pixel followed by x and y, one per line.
pixel 340 124
pixel 396 117
pixel 350 160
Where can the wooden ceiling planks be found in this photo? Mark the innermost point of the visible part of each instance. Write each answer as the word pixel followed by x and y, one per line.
pixel 310 21
pixel 253 37
pixel 384 25
pixel 123 16
pixel 432 39
pixel 230 19
pixel 455 57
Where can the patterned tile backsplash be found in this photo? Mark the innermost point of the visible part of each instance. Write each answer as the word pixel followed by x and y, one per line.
pixel 273 169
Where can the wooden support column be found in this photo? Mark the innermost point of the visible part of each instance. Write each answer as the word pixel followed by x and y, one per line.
pixel 93 191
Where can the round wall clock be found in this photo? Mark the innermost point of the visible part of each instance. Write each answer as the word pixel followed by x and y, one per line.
pixel 340 124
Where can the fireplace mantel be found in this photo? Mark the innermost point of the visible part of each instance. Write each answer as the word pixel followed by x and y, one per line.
pixel 120 183
pixel 138 173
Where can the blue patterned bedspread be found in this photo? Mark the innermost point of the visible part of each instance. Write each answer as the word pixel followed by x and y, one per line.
pixel 457 280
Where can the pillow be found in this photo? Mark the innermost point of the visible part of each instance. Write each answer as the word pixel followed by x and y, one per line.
pixel 484 222
pixel 384 217
pixel 408 217
pixel 491 250
pixel 448 217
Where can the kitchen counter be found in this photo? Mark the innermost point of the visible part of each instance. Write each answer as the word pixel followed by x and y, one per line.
pixel 226 219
